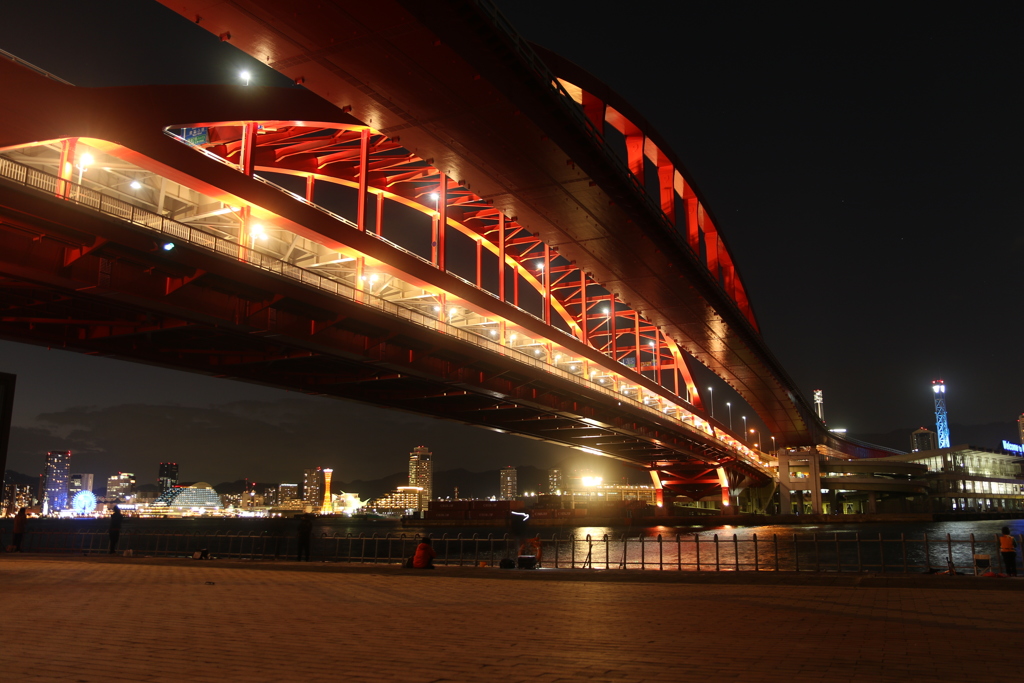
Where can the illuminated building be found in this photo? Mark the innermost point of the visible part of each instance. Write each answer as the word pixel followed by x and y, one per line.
pixel 421 473
pixel 55 490
pixel 328 506
pixel 313 486
pixel 1020 429
pixel 508 486
pixel 555 481
pixel 17 497
pixel 121 486
pixel 347 503
pixel 168 477
pixel 79 482
pixel 941 418
pixel 404 499
pixel 199 497
pixel 923 440
pixel 287 492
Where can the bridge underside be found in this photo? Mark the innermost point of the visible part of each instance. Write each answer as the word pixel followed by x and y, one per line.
pixel 73 279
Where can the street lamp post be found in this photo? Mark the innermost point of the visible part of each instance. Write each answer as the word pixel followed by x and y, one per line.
pixel 711 400
pixel 729 406
pixel 758 431
pixel 745 429
pixel 774 452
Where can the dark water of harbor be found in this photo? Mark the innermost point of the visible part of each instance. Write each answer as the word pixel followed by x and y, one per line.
pixel 901 547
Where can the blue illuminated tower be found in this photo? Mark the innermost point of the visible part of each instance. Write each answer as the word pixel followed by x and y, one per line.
pixel 941 422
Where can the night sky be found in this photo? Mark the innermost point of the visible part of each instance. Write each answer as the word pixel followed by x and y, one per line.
pixel 864 164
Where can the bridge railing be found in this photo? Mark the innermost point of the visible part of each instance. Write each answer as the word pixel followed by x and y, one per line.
pixel 175 231
pixel 818 553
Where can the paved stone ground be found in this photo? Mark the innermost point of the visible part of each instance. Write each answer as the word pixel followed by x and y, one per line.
pixel 99 619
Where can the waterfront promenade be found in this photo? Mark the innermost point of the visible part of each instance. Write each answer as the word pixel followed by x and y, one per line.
pixel 90 619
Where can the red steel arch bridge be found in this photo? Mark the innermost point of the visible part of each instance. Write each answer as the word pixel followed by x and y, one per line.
pixel 444 219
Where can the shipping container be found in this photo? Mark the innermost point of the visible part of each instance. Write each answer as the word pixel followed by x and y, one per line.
pixel 449 505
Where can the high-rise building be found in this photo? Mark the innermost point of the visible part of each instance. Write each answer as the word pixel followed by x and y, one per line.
pixel 286 492
pixel 313 486
pixel 121 486
pixel 15 498
pixel 555 482
pixel 509 485
pixel 421 473
pixel 1020 429
pixel 55 490
pixel 923 440
pixel 168 478
pixel 79 482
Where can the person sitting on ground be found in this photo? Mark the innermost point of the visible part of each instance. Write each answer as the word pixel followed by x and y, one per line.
pixel 424 557
pixel 1008 549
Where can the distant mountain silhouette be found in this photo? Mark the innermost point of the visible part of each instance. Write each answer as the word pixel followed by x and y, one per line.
pixel 989 435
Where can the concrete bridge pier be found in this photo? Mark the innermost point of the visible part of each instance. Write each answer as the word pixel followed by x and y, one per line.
pixel 788 484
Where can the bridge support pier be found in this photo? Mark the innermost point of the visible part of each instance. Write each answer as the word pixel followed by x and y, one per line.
pixel 787 484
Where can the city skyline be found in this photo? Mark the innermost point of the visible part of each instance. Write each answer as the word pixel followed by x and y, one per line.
pixel 863 244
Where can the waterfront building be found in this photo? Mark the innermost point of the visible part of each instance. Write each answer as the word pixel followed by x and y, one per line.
pixel 121 486
pixel 17 497
pixel 168 477
pixel 1020 429
pixel 56 475
pixel 404 500
pixel 421 472
pixel 508 484
pixel 958 479
pixel 198 498
pixel 347 503
pixel 923 439
pixel 287 492
pixel 313 487
pixel 79 482
pixel 555 482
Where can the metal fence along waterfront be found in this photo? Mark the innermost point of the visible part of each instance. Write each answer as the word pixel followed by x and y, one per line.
pixel 830 552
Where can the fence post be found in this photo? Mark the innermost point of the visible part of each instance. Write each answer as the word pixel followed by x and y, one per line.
pixel 927 555
pixel 679 553
pixel 949 555
pixel 625 543
pixel 974 566
pixel 775 542
pixel 757 564
pixel 860 558
pixel 607 550
pixel 736 551
pixel 572 552
pixel 661 554
pixel 718 563
pixel 643 552
pixel 696 545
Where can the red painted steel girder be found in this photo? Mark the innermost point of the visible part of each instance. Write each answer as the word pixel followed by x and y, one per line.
pixel 462 91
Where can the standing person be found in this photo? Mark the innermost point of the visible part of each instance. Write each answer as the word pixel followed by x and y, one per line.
pixel 20 520
pixel 305 534
pixel 115 528
pixel 1008 549
pixel 424 557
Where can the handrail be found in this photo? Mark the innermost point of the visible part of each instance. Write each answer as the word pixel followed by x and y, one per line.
pixel 52 185
pixel 837 552
pixel 29 65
